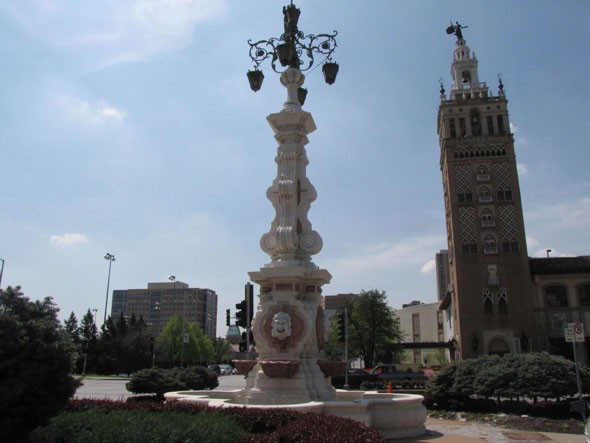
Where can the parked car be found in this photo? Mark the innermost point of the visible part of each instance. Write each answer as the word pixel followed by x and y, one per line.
pixel 390 374
pixel 226 369
pixel 215 368
pixel 356 377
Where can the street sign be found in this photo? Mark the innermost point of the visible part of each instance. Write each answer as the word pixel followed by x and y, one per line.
pixel 185 338
pixel 574 332
pixel 579 335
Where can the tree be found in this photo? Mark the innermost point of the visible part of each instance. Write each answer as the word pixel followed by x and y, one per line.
pixel 88 342
pixel 171 349
pixel 36 358
pixel 373 329
pixel 221 350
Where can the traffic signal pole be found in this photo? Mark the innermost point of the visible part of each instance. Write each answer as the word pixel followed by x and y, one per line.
pixel 346 385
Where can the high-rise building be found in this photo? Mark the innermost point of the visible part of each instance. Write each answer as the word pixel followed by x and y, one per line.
pixel 160 301
pixel 489 291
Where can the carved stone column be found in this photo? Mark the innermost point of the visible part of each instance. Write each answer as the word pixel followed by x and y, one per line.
pixel 288 325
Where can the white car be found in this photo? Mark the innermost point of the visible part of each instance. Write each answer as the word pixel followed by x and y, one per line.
pixel 226 369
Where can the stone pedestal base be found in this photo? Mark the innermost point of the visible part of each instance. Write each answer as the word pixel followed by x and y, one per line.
pixel 288 328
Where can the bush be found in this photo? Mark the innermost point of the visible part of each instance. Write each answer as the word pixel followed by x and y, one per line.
pixel 36 358
pixel 159 381
pixel 91 419
pixel 137 426
pixel 522 376
pixel 196 377
pixel 153 381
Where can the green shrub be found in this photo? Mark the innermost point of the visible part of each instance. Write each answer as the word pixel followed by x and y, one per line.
pixel 510 377
pixel 137 426
pixel 115 421
pixel 159 381
pixel 153 381
pixel 196 377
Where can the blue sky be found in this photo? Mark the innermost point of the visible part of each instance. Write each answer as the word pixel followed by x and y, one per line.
pixel 128 127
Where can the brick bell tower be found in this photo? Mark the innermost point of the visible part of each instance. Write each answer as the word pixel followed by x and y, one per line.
pixel 489 299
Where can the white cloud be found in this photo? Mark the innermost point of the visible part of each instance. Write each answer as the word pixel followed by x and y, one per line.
pixel 410 251
pixel 522 168
pixel 119 30
pixel 68 240
pixel 428 267
pixel 566 215
pixel 99 113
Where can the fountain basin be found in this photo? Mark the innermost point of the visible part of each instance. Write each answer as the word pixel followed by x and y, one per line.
pixel 394 415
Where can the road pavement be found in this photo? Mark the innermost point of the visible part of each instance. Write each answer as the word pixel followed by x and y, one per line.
pixel 438 431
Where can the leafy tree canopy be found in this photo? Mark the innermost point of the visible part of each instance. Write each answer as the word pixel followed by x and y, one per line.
pixel 35 364
pixel 373 329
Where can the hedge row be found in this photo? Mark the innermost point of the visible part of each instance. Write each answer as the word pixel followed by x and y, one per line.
pixel 524 376
pixel 256 425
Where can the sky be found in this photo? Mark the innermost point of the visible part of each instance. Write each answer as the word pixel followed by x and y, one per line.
pixel 128 127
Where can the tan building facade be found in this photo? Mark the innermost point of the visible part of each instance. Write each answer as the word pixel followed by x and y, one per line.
pixel 160 301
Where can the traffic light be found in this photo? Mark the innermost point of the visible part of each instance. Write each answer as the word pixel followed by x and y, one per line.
pixel 227 317
pixel 241 314
pixel 243 347
pixel 249 296
pixel 152 345
pixel 341 326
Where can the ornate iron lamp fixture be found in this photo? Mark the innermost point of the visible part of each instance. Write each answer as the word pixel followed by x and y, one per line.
pixel 293 49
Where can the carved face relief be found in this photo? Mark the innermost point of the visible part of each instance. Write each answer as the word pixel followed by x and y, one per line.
pixel 281 326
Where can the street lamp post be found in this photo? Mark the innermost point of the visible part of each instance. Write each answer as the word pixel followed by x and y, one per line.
pixel 1 272
pixel 111 258
pixel 172 278
pixel 293 49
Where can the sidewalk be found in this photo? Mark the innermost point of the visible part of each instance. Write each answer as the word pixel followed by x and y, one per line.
pixel 446 431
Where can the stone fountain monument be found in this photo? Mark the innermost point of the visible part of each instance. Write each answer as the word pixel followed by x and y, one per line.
pixel 288 325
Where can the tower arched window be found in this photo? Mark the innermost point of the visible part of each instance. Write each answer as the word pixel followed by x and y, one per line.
pixel 466 76
pixel 487 219
pixel 488 303
pixel 483 175
pixel 475 119
pixel 555 296
pixel 502 301
pixel 583 295
pixel 485 195
pixel 489 245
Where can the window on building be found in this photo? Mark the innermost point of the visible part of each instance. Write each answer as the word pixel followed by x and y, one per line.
pixel 504 193
pixel 555 296
pixel 466 77
pixel 483 174
pixel 584 295
pixel 510 245
pixel 452 128
pixel 462 127
pixel 490 122
pixel 465 196
pixel 485 195
pixel 488 303
pixel 487 219
pixel 475 122
pixel 500 124
pixel 489 245
pixel 502 301
pixel 469 248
